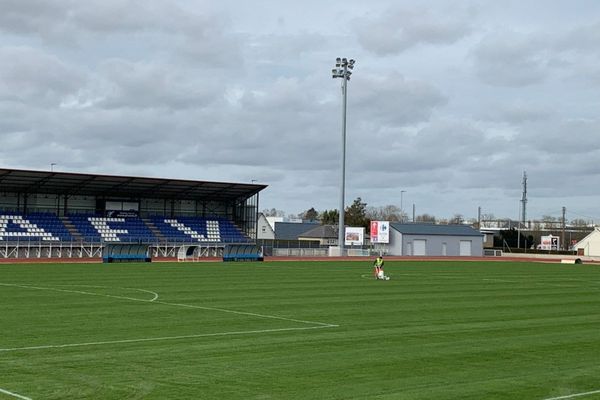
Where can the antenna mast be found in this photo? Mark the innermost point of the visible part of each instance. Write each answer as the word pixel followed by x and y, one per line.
pixel 524 199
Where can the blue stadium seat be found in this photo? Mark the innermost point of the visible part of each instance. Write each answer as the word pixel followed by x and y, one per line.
pixel 199 229
pixel 98 228
pixel 46 227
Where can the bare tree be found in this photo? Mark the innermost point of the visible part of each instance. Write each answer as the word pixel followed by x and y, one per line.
pixel 384 213
pixel 309 215
pixel 273 212
pixel 457 219
pixel 579 222
pixel 426 218
pixel 488 217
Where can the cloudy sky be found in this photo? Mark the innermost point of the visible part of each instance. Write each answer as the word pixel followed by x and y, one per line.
pixel 449 101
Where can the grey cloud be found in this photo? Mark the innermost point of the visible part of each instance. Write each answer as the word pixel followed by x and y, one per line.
pixel 207 40
pixel 202 37
pixel 581 39
pixel 152 88
pixel 565 138
pixel 144 85
pixel 511 59
pixel 275 48
pixel 447 152
pixel 518 112
pixel 290 134
pixel 110 16
pixel 33 17
pixel 394 100
pixel 399 29
pixel 35 77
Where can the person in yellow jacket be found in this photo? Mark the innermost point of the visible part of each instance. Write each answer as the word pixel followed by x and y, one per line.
pixel 378 265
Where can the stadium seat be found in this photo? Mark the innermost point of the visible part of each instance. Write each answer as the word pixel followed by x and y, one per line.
pixel 33 227
pixel 199 229
pixel 97 228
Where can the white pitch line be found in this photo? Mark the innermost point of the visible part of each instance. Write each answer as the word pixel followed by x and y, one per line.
pixel 86 293
pixel 572 396
pixel 109 287
pixel 322 324
pixel 174 304
pixel 165 338
pixel 319 325
pixel 18 396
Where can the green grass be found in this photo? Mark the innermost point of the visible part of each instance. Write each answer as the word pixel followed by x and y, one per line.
pixel 437 330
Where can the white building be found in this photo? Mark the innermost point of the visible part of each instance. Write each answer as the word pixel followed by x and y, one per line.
pixel 589 245
pixel 434 240
pixel 265 230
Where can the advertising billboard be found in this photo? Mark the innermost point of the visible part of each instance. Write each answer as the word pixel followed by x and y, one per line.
pixel 549 243
pixel 380 231
pixel 354 236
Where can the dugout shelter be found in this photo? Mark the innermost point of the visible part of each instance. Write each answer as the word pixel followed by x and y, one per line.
pixel 47 214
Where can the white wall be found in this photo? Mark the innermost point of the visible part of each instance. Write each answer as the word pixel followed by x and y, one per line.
pixel 272 221
pixel 264 229
pixel 395 245
pixel 590 244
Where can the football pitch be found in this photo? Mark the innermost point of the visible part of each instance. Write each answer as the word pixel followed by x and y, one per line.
pixel 300 330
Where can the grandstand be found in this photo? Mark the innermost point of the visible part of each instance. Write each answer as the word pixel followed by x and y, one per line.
pixel 72 215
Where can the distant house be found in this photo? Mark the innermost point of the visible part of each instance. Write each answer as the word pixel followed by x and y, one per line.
pixel 488 237
pixel 589 245
pixel 324 235
pixel 292 230
pixel 434 240
pixel 265 228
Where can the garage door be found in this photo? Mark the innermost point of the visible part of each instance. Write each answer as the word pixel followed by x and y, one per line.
pixel 465 247
pixel 419 247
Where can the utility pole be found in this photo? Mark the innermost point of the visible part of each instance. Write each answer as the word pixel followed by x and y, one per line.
pixel 478 217
pixel 564 223
pixel 413 213
pixel 402 205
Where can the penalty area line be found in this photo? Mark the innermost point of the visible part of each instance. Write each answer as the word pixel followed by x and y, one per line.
pixel 18 396
pixel 301 321
pixel 165 338
pixel 572 396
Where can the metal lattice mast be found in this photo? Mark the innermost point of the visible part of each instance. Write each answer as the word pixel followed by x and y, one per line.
pixel 524 199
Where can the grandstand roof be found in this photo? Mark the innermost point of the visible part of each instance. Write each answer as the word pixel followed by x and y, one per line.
pixel 50 182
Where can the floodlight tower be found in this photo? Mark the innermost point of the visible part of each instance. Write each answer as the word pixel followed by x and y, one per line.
pixel 343 69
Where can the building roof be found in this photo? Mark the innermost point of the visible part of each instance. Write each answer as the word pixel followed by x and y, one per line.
pixel 591 237
pixel 50 182
pixel 321 232
pixel 291 230
pixel 433 229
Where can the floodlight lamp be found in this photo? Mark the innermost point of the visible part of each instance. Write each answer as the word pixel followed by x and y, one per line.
pixel 351 62
pixel 344 61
